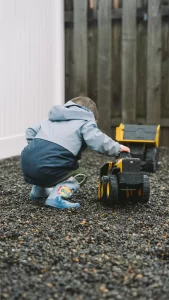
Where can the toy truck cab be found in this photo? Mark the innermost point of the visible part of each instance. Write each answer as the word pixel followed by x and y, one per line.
pixel 143 141
pixel 123 181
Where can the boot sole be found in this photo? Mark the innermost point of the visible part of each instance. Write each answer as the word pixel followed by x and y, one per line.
pixel 61 206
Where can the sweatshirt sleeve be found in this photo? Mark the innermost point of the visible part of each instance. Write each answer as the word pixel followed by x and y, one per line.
pixel 98 141
pixel 31 132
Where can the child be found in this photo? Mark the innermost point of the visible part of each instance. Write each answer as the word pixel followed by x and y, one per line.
pixel 50 160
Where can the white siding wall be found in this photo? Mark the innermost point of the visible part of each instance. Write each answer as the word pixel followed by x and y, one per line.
pixel 31 67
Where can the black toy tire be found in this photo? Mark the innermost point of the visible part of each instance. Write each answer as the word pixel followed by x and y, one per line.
pixel 151 159
pixel 104 181
pixel 112 198
pixel 146 190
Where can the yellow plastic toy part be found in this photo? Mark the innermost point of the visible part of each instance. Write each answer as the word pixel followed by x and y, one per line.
pixel 157 136
pixel 120 136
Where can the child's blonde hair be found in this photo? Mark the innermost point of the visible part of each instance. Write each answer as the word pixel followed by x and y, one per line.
pixel 88 103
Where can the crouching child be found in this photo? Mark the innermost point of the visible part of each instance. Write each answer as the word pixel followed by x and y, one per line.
pixel 50 160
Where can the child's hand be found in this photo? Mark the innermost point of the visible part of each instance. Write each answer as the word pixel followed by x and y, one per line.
pixel 124 148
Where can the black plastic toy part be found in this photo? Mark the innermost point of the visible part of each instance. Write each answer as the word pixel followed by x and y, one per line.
pixel 124 155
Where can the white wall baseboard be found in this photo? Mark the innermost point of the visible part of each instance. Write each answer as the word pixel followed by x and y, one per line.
pixel 12 146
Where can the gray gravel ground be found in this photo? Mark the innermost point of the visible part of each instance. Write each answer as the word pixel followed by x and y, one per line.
pixel 93 252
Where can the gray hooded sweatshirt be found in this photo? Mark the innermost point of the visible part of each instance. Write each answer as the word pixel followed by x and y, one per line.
pixel 56 143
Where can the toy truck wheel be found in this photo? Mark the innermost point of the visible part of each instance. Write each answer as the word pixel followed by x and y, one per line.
pixel 112 190
pixel 151 160
pixel 146 190
pixel 103 188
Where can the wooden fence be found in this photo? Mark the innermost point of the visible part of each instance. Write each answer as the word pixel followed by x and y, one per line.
pixel 117 53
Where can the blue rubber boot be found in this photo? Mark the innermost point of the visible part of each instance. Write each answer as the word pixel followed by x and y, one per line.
pixel 62 191
pixel 38 193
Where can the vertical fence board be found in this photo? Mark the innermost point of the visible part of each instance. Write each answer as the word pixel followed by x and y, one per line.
pixel 104 65
pixel 154 62
pixel 69 75
pixel 164 133
pixel 141 69
pixel 129 62
pixel 92 54
pixel 116 69
pixel 116 65
pixel 80 47
pixel 165 71
pixel 92 62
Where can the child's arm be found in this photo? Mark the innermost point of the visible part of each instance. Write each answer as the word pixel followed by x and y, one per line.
pixel 98 141
pixel 31 132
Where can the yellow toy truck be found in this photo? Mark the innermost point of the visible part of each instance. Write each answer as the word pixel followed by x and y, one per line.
pixel 122 181
pixel 143 141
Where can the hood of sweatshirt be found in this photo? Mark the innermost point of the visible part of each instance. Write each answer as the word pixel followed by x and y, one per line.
pixel 70 111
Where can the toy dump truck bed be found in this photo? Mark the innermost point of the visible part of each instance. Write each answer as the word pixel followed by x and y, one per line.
pixel 138 133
